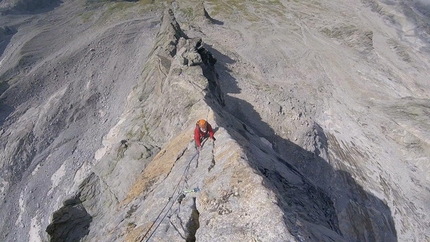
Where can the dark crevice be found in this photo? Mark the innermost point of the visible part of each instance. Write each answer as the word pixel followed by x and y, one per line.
pixel 193 223
pixel 213 159
pixel 177 230
pixel 181 153
pixel 208 67
pixel 211 165
pixel 70 223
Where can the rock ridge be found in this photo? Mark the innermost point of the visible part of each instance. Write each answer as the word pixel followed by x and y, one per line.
pixel 319 118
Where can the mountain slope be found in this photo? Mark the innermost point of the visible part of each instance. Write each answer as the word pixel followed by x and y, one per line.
pixel 320 112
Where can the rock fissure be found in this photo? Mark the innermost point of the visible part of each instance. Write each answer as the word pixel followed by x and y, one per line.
pixel 181 153
pixel 209 72
pixel 212 164
pixel 109 190
pixel 193 223
pixel 181 233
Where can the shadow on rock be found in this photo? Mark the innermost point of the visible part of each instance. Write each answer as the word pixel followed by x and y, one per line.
pixel 33 6
pixel 337 210
pixel 5 110
pixel 212 20
pixel 421 21
pixel 6 34
pixel 70 223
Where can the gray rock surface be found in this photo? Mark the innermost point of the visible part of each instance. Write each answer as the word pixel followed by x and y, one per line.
pixel 320 110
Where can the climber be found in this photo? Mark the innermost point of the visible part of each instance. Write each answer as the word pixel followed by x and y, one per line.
pixel 202 130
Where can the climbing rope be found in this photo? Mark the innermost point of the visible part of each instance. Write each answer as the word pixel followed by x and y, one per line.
pixel 170 199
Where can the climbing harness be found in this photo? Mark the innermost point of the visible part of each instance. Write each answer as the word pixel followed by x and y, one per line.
pixel 171 201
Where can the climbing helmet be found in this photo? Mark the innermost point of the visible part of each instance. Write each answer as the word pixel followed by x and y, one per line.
pixel 202 124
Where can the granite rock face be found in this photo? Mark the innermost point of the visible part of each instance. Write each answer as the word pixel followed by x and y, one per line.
pixel 320 112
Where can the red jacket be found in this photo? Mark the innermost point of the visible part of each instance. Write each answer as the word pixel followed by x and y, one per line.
pixel 199 135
